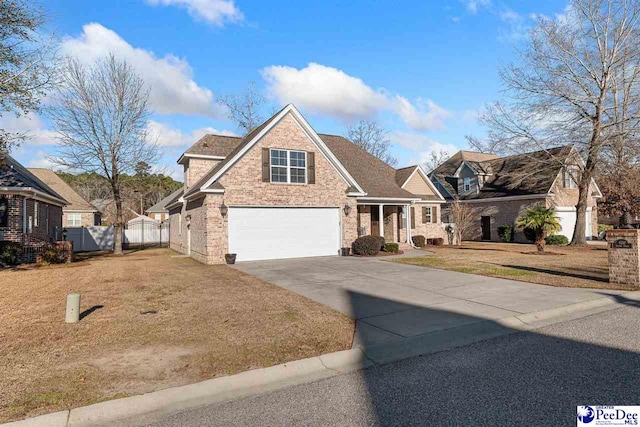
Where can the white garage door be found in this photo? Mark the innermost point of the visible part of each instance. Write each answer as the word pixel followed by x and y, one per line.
pixel 567 216
pixel 275 233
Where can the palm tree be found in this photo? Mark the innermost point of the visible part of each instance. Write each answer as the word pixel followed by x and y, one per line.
pixel 542 221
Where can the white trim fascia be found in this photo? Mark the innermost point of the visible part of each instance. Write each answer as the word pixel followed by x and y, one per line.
pixel 384 200
pixel 213 190
pixel 314 137
pixel 464 162
pixel 507 198
pixel 285 206
pixel 419 169
pixel 431 202
pixel 199 156
pixel 65 210
pixel 569 208
pixel 35 194
pixel 176 203
pixel 352 194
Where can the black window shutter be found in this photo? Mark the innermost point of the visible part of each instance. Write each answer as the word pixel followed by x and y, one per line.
pixel 311 167
pixel 266 162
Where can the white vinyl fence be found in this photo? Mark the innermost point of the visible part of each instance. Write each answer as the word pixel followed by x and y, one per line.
pixel 102 238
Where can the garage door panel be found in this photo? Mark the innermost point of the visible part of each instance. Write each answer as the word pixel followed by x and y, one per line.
pixel 567 219
pixel 276 233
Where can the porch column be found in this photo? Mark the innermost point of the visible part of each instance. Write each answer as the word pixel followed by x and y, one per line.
pixel 381 219
pixel 408 215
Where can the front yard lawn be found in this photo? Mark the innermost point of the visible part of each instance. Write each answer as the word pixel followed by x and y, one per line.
pixel 585 267
pixel 151 321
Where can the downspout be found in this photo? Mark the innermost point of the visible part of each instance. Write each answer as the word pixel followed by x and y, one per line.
pixel 409 237
pixel 24 215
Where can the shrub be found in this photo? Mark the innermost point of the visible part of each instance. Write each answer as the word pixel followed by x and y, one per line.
pixel 391 247
pixel 10 252
pixel 418 241
pixel 52 256
pixel 604 227
pixel 435 242
pixel 557 239
pixel 367 245
pixel 505 232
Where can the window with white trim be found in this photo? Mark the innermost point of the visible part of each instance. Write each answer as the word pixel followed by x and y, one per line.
pixel 36 214
pixel 467 183
pixel 570 177
pixel 288 166
pixel 428 216
pixel 74 220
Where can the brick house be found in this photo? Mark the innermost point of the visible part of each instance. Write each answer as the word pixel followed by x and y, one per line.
pixel 502 188
pixel 78 212
pixel 285 191
pixel 30 211
pixel 159 211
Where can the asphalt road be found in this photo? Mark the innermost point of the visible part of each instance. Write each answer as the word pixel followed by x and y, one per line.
pixel 532 378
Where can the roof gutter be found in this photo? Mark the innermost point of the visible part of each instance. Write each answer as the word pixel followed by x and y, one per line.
pixel 507 198
pixel 32 192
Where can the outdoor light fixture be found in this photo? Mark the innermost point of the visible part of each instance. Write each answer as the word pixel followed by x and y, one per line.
pixel 223 209
pixel 347 209
pixel 64 234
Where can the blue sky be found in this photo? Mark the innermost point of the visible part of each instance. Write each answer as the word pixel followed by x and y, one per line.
pixel 421 68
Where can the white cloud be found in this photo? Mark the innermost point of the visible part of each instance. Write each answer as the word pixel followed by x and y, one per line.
pixel 424 115
pixel 419 142
pixel 31 125
pixel 470 116
pixel 330 91
pixel 455 19
pixel 173 90
pixel 516 28
pixel 474 5
pixel 42 161
pixel 216 12
pixel 167 136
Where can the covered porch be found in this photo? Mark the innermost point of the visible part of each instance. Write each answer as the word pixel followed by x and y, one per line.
pixel 388 220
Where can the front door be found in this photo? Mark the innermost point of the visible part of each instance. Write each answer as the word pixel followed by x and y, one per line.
pixel 375 221
pixel 485 222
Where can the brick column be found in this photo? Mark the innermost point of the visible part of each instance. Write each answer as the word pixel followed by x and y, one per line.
pixel 624 257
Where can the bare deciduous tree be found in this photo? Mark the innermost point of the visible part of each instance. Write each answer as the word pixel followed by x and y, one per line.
pixel 373 138
pixel 100 116
pixel 244 108
pixel 464 217
pixel 577 82
pixel 26 63
pixel 436 158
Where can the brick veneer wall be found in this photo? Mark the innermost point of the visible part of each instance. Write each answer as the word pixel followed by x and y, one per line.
pixel 45 230
pixel 501 213
pixel 196 169
pixel 87 219
pixel 431 230
pixel 624 263
pixel 243 187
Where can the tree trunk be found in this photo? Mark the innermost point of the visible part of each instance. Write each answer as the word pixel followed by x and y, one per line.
pixel 579 234
pixel 540 242
pixel 119 221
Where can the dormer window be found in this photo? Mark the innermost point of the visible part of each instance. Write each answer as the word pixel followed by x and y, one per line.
pixel 467 183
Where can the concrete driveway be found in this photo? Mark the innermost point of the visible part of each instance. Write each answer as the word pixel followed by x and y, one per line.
pixel 392 301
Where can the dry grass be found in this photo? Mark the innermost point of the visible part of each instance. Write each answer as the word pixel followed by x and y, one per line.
pixel 576 267
pixel 210 321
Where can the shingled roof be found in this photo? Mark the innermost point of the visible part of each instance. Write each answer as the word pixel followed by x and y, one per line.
pixel 161 206
pixel 76 202
pixel 376 177
pixel 14 176
pixel 452 164
pixel 214 145
pixel 517 175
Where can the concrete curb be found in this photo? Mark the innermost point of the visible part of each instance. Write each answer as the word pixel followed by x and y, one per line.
pixel 151 406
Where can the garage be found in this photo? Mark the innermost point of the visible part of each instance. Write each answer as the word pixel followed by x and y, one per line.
pixel 567 218
pixel 259 233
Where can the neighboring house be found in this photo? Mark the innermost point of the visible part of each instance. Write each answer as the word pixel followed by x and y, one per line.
pixel 503 188
pixel 29 208
pixel 78 212
pixel 159 211
pixel 284 191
